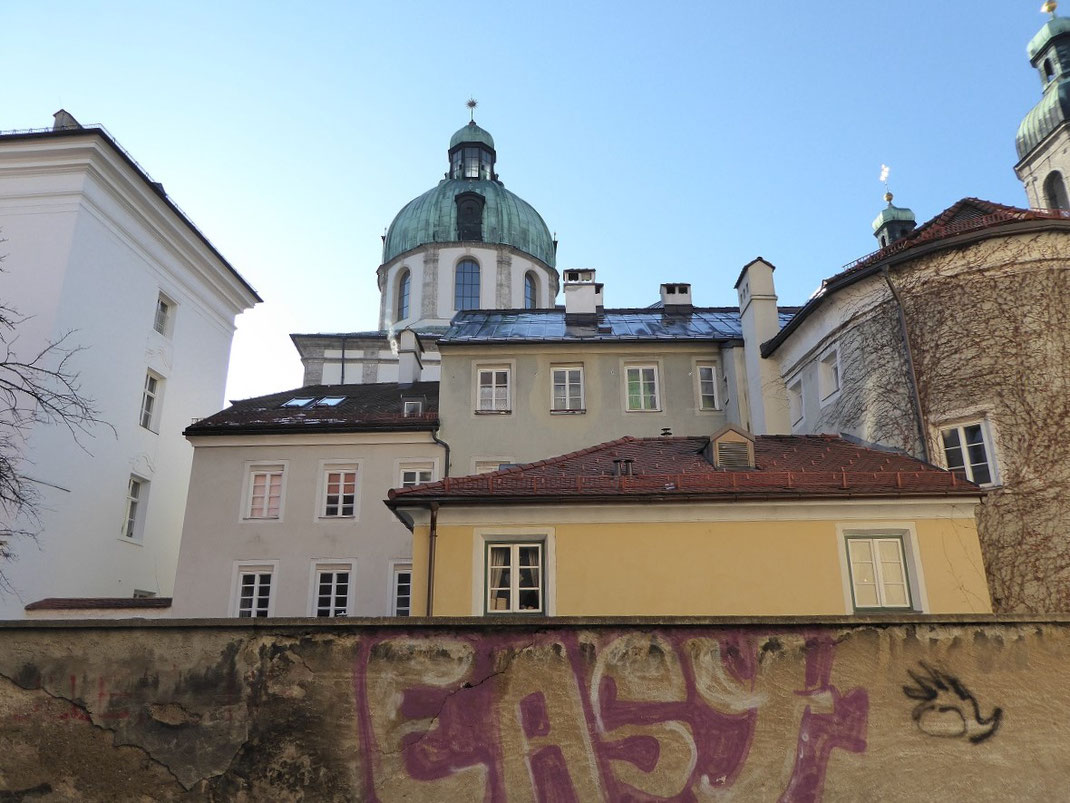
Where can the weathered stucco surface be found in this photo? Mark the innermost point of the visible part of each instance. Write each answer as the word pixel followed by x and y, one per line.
pixel 558 710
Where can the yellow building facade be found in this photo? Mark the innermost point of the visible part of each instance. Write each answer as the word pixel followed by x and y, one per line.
pixel 544 540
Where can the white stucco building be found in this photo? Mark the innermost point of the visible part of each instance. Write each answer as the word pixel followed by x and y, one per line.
pixel 96 249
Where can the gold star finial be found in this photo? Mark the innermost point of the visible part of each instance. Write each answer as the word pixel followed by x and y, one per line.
pixel 471 104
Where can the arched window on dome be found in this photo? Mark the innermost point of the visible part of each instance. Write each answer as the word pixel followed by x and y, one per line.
pixel 404 284
pixel 1055 191
pixel 466 285
pixel 531 293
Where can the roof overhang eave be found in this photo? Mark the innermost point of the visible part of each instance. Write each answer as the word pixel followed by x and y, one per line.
pixel 907 255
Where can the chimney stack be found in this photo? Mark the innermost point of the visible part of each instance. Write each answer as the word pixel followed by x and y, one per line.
pixel 583 296
pixel 410 366
pixel 676 297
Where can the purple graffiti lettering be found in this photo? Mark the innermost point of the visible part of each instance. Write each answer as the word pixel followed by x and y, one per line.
pixel 533 715
pixel 549 773
pixel 820 733
pixel 642 751
pixel 721 740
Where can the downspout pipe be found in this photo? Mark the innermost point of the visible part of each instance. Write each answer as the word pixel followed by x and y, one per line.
pixel 912 373
pixel 444 445
pixel 431 541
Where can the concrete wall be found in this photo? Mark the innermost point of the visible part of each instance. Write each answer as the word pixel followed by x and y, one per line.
pixel 582 711
pixel 530 431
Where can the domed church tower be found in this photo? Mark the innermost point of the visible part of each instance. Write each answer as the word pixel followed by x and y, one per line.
pixel 1044 135
pixel 468 243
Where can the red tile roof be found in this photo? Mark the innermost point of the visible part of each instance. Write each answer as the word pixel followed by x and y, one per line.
pixel 677 467
pixel 97 603
pixel 963 217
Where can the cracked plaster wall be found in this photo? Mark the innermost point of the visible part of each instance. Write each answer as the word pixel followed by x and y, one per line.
pixel 587 710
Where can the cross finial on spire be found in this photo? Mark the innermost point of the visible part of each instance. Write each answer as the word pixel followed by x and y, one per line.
pixel 471 104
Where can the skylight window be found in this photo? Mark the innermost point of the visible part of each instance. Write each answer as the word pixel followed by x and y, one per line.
pixel 298 402
pixel 329 401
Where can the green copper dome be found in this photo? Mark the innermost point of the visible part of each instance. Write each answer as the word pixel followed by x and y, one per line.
pixel 470 205
pixel 1054 27
pixel 432 218
pixel 891 213
pixel 1045 117
pixel 472 133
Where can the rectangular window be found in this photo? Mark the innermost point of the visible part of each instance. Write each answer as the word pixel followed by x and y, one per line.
pixel 136 494
pixel 401 599
pixel 415 475
pixel 150 401
pixel 878 572
pixel 254 592
pixel 340 493
pixel 514 578
pixel 411 407
pixel 164 309
pixel 642 387
pixel 488 466
pixel 795 402
pixel 828 374
pixel 332 590
pixel 707 385
pixel 567 392
pixel 265 492
pixel 968 452
pixel 493 390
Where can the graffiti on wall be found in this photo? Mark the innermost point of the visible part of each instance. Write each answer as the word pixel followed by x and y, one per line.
pixel 574 717
pixel 946 707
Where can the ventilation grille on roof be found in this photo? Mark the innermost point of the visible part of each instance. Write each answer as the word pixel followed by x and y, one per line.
pixel 733 454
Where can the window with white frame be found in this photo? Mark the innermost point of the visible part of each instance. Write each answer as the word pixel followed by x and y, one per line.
pixel 795 402
pixel 416 474
pixel 254 591
pixel 265 492
pixel 828 374
pixel 968 451
pixel 165 310
pixel 706 375
pixel 642 387
pixel 493 389
pixel 137 492
pixel 567 391
pixel 515 577
pixel 150 401
pixel 332 589
pixel 339 492
pixel 401 596
pixel 412 407
pixel 878 570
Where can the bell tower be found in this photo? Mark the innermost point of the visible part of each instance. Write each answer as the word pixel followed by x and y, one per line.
pixel 1043 139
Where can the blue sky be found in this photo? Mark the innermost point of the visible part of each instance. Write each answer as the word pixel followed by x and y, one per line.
pixel 662 142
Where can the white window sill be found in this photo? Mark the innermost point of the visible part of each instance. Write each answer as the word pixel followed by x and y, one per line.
pixel 337 518
pixel 825 402
pixel 582 411
pixel 651 410
pixel 131 541
pixel 493 412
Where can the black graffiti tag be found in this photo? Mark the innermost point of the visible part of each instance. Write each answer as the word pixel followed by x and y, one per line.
pixel 947 708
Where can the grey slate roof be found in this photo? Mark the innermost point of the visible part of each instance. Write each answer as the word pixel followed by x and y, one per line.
pixel 371 407
pixel 510 326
